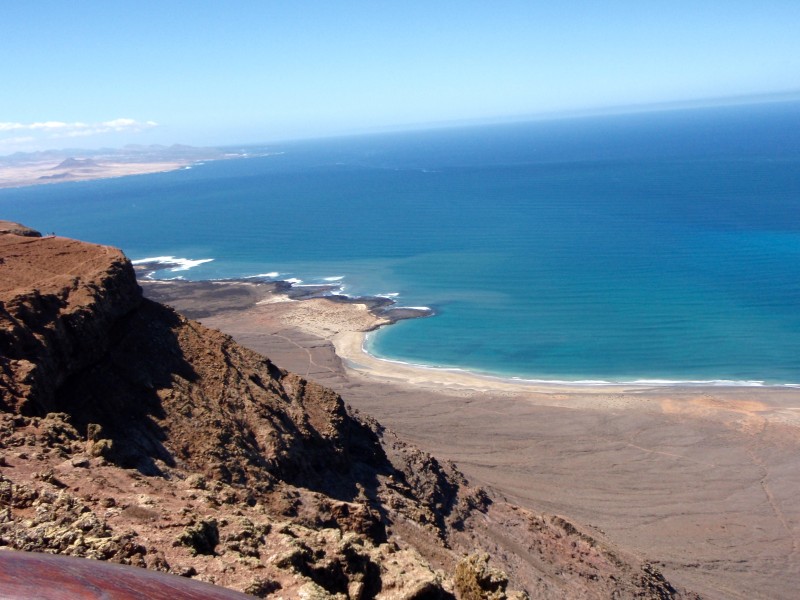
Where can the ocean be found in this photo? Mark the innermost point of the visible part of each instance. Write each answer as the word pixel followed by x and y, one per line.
pixel 660 246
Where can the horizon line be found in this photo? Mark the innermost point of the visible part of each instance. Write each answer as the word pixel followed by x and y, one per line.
pixel 555 115
pixel 549 115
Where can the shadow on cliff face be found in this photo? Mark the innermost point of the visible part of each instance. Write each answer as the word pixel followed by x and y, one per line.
pixel 170 391
pixel 163 391
pixel 116 400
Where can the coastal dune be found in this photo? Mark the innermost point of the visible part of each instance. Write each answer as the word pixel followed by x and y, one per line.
pixel 701 479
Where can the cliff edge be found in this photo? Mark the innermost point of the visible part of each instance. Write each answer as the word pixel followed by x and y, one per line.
pixel 131 434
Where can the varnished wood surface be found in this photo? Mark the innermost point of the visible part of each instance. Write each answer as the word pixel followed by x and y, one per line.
pixel 32 576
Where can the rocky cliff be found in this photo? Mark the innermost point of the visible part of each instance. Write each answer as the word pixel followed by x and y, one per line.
pixel 131 434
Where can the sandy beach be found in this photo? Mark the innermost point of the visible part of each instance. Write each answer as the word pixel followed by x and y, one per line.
pixel 702 481
pixel 50 172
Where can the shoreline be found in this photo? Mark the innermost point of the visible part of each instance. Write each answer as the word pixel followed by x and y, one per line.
pixel 350 337
pixel 346 348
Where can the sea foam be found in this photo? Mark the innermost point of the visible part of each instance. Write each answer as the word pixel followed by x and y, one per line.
pixel 175 263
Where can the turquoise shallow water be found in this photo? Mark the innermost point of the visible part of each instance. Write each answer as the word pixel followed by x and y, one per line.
pixel 651 246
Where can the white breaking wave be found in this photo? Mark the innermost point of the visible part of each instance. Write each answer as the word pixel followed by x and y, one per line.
pixel 153 259
pixel 272 275
pixel 177 264
pixel 186 264
pixel 336 278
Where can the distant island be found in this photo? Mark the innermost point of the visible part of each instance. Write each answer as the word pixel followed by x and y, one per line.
pixel 72 164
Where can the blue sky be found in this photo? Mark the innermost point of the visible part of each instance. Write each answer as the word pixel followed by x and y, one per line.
pixel 98 73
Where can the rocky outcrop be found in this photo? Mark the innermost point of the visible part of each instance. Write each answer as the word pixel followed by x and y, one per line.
pixel 129 433
pixel 17 229
pixel 59 301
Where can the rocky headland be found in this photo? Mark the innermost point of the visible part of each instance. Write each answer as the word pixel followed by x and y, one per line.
pixel 131 434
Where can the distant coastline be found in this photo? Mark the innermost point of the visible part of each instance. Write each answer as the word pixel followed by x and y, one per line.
pixel 59 166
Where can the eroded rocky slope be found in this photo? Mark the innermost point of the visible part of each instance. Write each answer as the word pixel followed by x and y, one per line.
pixel 131 434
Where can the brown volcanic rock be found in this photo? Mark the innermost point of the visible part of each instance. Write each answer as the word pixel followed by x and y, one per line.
pixel 59 299
pixel 132 434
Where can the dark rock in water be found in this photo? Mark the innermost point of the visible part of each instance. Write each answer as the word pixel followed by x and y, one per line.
pixel 403 312
pixel 307 292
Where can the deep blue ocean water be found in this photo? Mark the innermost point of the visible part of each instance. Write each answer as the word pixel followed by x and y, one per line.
pixel 617 248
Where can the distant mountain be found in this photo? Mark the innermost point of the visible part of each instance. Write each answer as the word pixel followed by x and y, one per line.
pixel 74 163
pixel 130 153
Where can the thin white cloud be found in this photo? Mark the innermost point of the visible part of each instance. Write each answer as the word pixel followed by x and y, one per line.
pixel 61 127
pixel 121 123
pixel 40 131
pixel 52 125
